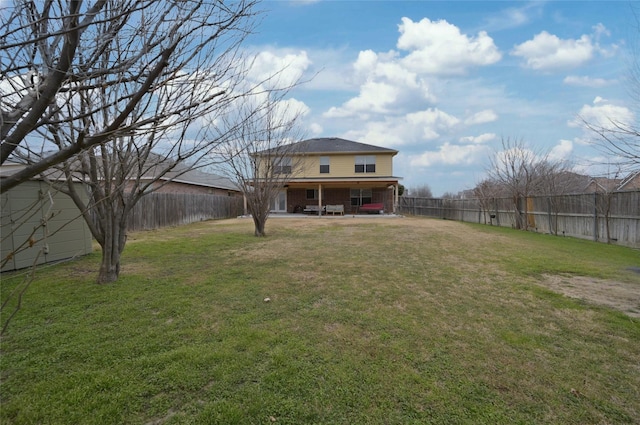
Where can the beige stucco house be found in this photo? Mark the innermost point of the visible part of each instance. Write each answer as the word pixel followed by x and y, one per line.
pixel 337 172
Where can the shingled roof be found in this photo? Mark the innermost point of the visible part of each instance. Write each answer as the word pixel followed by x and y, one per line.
pixel 155 165
pixel 337 145
pixel 330 145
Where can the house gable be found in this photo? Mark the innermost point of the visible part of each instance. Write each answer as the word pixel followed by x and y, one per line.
pixel 631 182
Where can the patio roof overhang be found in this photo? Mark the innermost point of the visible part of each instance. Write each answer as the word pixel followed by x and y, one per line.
pixel 339 182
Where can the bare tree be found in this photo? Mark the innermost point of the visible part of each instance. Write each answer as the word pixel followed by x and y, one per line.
pixel 116 178
pixel 261 155
pixel 76 75
pixel 514 168
pixel 604 192
pixel 617 138
pixel 554 180
pixel 422 191
pixel 519 173
pixel 486 192
pixel 451 195
pixel 146 79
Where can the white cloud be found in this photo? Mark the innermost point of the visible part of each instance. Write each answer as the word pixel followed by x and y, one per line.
pixel 386 86
pixel 14 87
pixel 370 66
pixel 431 121
pixel 293 107
pixel 438 47
pixel 315 129
pixel 516 17
pixel 483 138
pixel 513 17
pixel 599 30
pixel 562 150
pixel 412 129
pixel 585 81
pixel 603 114
pixel 278 68
pixel 391 84
pixel 329 70
pixel 482 117
pixel 449 154
pixel 374 98
pixel 387 133
pixel 548 52
pixel 366 62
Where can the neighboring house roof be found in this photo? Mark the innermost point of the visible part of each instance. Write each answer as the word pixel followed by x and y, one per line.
pixel 569 182
pixel 604 184
pixel 200 178
pixel 181 173
pixel 631 182
pixel 331 145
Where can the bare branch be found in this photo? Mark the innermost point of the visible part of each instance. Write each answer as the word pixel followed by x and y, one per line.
pixel 147 52
pixel 261 155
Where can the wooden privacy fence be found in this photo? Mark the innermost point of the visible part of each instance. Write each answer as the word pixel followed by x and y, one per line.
pixel 603 217
pixel 173 209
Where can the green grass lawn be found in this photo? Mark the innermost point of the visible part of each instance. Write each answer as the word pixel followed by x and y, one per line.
pixel 379 321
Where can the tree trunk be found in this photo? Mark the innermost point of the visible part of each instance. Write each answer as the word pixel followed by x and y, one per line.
pixel 517 213
pixel 114 242
pixel 110 266
pixel 259 223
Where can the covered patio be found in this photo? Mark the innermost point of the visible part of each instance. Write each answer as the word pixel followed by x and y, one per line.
pixel 349 194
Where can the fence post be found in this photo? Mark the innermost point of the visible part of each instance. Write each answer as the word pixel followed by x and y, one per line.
pixel 595 216
pixel 549 215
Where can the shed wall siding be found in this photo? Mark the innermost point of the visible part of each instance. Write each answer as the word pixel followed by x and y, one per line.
pixel 64 234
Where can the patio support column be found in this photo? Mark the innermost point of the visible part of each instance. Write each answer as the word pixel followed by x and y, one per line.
pixel 396 189
pixel 244 201
pixel 319 199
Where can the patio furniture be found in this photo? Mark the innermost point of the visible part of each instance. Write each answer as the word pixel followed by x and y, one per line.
pixel 333 209
pixel 313 209
pixel 375 208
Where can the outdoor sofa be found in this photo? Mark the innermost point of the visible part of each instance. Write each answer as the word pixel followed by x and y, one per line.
pixel 375 208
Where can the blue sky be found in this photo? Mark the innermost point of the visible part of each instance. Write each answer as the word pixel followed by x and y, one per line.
pixel 445 82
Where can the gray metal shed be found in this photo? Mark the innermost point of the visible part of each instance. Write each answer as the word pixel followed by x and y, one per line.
pixel 40 225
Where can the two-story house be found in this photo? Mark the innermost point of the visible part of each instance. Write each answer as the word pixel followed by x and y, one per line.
pixel 334 171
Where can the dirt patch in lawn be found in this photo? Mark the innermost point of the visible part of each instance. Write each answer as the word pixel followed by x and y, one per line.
pixel 621 296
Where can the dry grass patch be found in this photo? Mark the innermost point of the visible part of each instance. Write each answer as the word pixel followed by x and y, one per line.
pixel 623 296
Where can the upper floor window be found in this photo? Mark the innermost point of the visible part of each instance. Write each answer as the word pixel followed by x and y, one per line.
pixel 324 165
pixel 282 165
pixel 365 164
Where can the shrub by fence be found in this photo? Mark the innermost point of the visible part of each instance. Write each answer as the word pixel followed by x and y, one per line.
pixel 173 209
pixel 603 217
